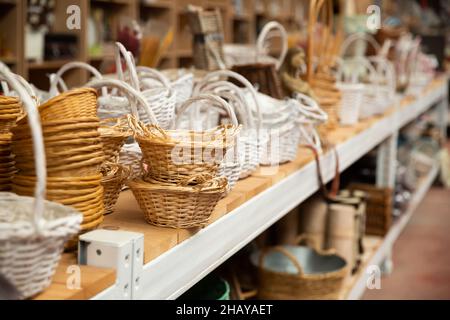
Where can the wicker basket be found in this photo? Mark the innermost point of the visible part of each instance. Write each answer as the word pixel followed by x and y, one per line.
pixel 249 142
pixel 376 73
pixel 114 133
pixel 56 79
pixel 173 155
pixel 263 75
pixel 162 98
pixel 207 27
pixel 130 154
pixel 298 272
pixel 238 54
pixel 113 180
pixel 378 208
pixel 187 204
pixel 32 231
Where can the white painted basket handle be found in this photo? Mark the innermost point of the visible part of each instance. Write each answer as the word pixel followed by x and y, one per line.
pixel 147 72
pixel 359 36
pixel 264 36
pixel 236 76
pixel 119 52
pixel 38 145
pixel 132 95
pixel 310 108
pixel 217 101
pixel 231 92
pixel 56 78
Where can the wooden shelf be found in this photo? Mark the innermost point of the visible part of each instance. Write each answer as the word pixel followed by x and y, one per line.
pixel 157 4
pixel 8 60
pixel 47 64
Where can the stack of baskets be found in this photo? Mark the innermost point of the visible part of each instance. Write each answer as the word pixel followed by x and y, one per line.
pixel 33 231
pixel 10 110
pixel 74 154
pixel 180 185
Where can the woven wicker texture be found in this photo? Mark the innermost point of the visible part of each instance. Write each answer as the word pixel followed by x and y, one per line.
pixel 114 177
pixel 184 205
pixel 113 133
pixel 174 155
pixel 379 205
pixel 298 272
pixel 32 231
pixel 74 155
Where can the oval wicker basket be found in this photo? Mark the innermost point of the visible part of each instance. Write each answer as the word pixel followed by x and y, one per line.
pixel 187 204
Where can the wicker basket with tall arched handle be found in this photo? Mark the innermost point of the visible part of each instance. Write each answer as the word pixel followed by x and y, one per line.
pixel 130 154
pixel 172 155
pixel 33 231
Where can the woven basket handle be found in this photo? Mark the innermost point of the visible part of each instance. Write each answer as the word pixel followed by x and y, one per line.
pixel 57 78
pixel 265 35
pixel 305 238
pixel 121 51
pixel 217 101
pixel 38 144
pixel 147 72
pixel 242 80
pixel 284 252
pixel 310 108
pixel 359 36
pixel 231 92
pixel 132 94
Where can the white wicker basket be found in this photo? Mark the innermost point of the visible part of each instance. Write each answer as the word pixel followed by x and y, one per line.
pixel 376 73
pixel 230 167
pixel 33 231
pixel 245 54
pixel 162 99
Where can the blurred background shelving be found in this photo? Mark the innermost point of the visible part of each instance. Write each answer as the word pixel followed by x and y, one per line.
pixel 242 20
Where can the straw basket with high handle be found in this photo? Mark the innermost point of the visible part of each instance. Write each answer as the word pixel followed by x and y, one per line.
pixel 248 54
pixel 185 204
pixel 33 231
pixel 130 154
pixel 319 76
pixel 250 142
pixel 230 167
pixel 173 155
pixel 161 98
pixel 293 272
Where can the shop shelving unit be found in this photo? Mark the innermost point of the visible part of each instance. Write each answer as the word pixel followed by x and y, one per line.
pixel 242 20
pixel 174 260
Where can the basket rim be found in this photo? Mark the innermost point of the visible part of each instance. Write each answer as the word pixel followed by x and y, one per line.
pixel 23 230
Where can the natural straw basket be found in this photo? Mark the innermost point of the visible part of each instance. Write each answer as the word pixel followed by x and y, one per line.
pixel 250 141
pixel 230 167
pixel 187 204
pixel 298 272
pixel 130 154
pixel 114 177
pixel 32 231
pixel 114 133
pixel 76 103
pixel 174 155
